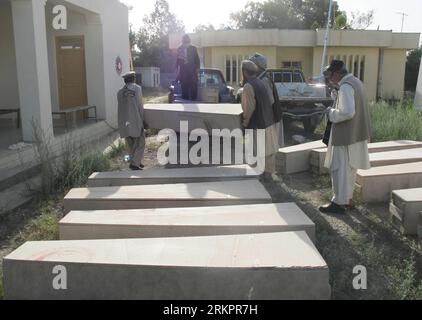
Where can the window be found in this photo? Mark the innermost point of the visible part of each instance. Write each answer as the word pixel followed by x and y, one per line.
pixel 228 68
pixel 297 77
pixel 287 77
pixel 292 65
pixel 362 69
pixel 234 69
pixel 233 66
pixel 277 77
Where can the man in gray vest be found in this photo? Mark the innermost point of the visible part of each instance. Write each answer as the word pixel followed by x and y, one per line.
pixel 258 115
pixel 262 63
pixel 350 135
pixel 131 120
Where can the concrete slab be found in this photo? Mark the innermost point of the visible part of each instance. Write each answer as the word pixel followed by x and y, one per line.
pixel 377 184
pixel 241 267
pixel 404 210
pixel 185 222
pixel 318 155
pixel 168 196
pixel 296 159
pixel 199 116
pixel 172 176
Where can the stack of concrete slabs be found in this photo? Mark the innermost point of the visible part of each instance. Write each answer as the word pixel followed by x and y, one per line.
pixel 198 116
pixel 296 159
pixel 185 222
pixel 172 176
pixel 377 184
pixel 264 266
pixel 404 210
pixel 167 196
pixel 318 155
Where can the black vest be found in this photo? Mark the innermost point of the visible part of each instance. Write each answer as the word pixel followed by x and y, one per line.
pixel 263 116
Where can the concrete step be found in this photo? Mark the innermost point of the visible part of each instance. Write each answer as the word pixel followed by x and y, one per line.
pixel 377 160
pixel 296 159
pixel 238 267
pixel 377 184
pixel 199 116
pixel 172 176
pixel 168 196
pixel 185 222
pixel 404 210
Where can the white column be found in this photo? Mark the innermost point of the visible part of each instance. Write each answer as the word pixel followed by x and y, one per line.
pixel 32 66
pixel 418 97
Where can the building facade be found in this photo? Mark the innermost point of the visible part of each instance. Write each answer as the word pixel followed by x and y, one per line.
pixel 378 58
pixel 44 69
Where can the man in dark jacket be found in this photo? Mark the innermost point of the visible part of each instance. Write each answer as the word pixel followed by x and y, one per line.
pixel 188 65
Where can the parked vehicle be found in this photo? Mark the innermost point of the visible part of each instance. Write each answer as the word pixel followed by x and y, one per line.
pixel 302 101
pixel 207 78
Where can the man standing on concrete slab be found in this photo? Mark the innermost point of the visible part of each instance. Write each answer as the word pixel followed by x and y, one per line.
pixel 350 134
pixel 262 64
pixel 188 65
pixel 131 119
pixel 258 114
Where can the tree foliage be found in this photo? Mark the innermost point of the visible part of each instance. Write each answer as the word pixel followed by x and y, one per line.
pixel 297 14
pixel 152 39
pixel 361 20
pixel 284 14
pixel 412 69
pixel 204 27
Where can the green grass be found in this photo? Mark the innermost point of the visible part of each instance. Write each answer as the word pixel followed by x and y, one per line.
pixel 43 228
pixel 395 122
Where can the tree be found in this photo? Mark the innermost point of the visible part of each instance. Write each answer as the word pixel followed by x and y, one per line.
pixel 361 20
pixel 284 14
pixel 152 39
pixel 203 27
pixel 412 69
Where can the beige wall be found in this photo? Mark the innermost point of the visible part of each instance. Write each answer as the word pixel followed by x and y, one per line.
pixel 371 56
pixel 304 55
pixel 393 73
pixel 9 91
pixel 218 56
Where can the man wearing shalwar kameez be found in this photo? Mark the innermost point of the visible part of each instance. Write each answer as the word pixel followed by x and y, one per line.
pixel 131 120
pixel 350 135
pixel 258 115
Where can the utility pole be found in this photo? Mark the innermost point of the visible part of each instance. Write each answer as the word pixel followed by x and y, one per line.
pixel 327 36
pixel 403 15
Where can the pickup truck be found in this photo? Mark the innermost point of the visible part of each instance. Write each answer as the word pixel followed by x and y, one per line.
pixel 207 77
pixel 302 101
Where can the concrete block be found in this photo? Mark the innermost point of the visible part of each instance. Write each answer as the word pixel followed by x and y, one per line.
pixel 377 160
pixel 171 176
pixel 296 159
pixel 377 184
pixel 237 267
pixel 199 116
pixel 404 210
pixel 168 196
pixel 185 222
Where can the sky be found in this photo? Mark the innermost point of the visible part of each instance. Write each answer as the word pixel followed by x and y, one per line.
pixel 217 12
